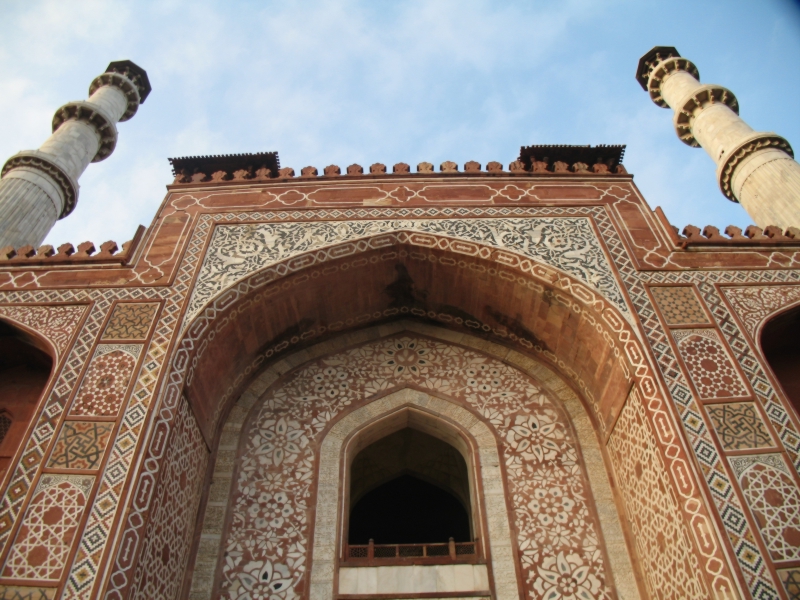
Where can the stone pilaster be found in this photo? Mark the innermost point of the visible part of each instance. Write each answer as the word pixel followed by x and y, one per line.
pixel 38 187
pixel 756 169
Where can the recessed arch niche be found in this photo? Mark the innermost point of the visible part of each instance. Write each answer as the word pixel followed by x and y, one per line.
pixel 408 486
pixel 248 415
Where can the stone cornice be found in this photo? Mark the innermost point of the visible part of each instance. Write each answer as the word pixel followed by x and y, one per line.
pixel 191 169
pixel 93 115
pixel 545 157
pixel 749 146
pixel 695 102
pixel 44 163
pixel 664 69
pixel 123 84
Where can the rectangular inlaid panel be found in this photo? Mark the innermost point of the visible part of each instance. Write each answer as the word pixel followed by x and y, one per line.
pixel 106 381
pixel 772 495
pixel 43 542
pixel 18 592
pixel 679 305
pixel 80 445
pixel 790 578
pixel 710 366
pixel 130 321
pixel 739 425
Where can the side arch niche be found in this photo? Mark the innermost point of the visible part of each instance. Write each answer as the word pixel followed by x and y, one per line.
pixel 25 368
pixel 540 491
pixel 780 343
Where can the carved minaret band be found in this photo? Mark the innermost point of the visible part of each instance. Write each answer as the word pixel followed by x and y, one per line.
pixel 756 169
pixel 38 187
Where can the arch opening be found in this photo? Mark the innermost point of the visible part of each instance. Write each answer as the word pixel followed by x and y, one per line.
pixel 409 488
pixel 779 344
pixel 25 369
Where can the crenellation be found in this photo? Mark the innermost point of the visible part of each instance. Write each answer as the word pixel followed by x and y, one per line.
pixel 66 254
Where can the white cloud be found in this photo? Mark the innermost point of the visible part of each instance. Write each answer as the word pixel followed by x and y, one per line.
pixel 358 81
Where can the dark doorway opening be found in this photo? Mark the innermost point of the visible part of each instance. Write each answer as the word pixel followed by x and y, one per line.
pixel 24 371
pixel 407 510
pixel 409 488
pixel 780 341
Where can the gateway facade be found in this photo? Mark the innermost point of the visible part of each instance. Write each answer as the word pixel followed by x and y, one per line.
pixel 473 382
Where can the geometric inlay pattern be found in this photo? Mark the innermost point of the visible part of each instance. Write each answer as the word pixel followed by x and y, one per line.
pixel 739 425
pixel 18 592
pixel 774 499
pixel 790 578
pixel 80 445
pixel 106 382
pixel 679 305
pixel 51 521
pixel 169 533
pixel 661 535
pixel 709 364
pixel 274 492
pixel 130 321
pixel 570 244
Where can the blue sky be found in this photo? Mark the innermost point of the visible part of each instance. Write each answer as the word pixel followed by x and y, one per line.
pixel 342 82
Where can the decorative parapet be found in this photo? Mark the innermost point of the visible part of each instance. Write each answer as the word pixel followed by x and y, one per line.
pixel 225 167
pixel 745 148
pixel 34 159
pixel 93 115
pixel 534 160
pixel 733 236
pixel 66 254
pixel 545 158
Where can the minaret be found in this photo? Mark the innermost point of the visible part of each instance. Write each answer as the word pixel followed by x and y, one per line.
pixel 756 169
pixel 38 187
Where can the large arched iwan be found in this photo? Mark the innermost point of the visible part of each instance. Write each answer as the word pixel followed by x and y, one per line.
pixel 531 307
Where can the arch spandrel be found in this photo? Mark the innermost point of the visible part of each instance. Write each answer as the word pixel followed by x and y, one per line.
pixel 55 326
pixel 494 404
pixel 236 252
pixel 476 287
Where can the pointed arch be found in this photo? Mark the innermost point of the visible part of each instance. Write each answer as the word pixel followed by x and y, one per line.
pixel 26 367
pixel 454 421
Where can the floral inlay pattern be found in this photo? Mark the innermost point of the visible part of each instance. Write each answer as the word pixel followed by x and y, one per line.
pixel 567 243
pixel 265 549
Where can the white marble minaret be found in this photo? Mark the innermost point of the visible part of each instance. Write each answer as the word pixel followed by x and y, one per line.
pixel 38 187
pixel 756 169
